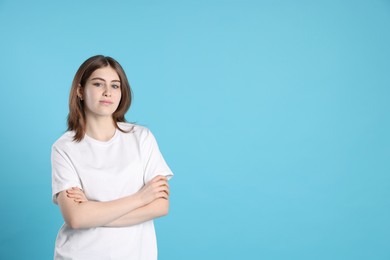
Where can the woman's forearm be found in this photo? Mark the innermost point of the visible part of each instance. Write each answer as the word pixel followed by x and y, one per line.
pixel 94 214
pixel 88 214
pixel 156 209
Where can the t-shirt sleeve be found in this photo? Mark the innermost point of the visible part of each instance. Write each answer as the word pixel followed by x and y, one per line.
pixel 64 176
pixel 153 161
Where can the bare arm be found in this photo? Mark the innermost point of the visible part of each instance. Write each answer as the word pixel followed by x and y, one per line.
pixel 156 209
pixel 94 214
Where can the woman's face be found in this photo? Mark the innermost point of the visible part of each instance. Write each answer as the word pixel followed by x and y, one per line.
pixel 102 93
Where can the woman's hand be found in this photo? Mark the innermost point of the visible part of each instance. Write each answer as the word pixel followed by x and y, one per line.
pixel 155 189
pixel 76 194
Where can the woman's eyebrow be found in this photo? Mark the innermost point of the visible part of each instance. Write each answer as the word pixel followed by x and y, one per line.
pixel 115 80
pixel 97 78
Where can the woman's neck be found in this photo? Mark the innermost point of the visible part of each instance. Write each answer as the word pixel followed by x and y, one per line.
pixel 100 128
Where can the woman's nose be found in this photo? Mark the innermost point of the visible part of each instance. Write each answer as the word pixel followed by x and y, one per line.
pixel 107 92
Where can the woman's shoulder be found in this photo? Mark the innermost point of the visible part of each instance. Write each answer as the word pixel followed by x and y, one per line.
pixel 133 128
pixel 141 133
pixel 64 140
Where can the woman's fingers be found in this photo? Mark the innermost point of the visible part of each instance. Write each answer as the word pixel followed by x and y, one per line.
pixel 76 194
pixel 74 189
pixel 162 192
pixel 158 178
pixel 161 186
pixel 162 181
pixel 156 188
pixel 163 195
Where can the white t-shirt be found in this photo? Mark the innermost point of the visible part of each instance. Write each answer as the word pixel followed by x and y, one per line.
pixel 107 171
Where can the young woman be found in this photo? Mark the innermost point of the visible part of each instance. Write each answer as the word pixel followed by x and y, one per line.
pixel 108 176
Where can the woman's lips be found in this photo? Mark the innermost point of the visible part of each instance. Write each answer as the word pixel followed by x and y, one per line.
pixel 105 102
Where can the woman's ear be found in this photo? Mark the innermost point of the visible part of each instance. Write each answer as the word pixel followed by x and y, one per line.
pixel 80 92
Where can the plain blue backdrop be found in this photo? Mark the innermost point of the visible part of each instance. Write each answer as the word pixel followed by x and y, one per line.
pixel 273 115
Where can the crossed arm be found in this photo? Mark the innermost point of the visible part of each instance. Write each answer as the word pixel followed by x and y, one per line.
pixel 152 201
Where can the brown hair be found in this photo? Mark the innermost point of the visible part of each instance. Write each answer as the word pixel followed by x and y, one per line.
pixel 76 116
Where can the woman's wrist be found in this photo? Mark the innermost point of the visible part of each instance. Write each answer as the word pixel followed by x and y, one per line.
pixel 138 199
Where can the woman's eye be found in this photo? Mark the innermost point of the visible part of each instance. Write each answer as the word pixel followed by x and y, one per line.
pixel 115 86
pixel 97 84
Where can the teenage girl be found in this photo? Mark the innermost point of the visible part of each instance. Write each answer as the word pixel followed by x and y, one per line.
pixel 108 176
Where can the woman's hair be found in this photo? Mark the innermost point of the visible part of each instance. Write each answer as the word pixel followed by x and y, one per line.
pixel 76 116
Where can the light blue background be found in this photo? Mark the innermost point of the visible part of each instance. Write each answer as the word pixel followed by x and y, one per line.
pixel 274 116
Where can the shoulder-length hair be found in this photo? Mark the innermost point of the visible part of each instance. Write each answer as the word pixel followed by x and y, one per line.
pixel 76 116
